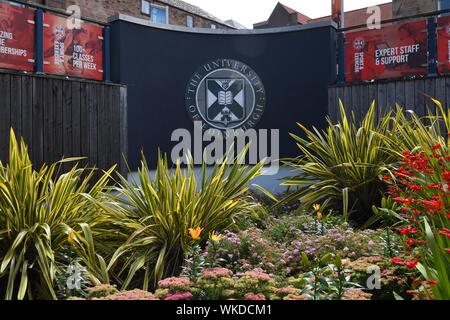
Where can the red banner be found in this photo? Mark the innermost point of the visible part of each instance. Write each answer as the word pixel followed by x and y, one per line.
pixel 443 56
pixel 71 49
pixel 392 52
pixel 16 37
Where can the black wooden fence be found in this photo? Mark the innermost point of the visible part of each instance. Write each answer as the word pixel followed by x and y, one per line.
pixel 410 94
pixel 64 118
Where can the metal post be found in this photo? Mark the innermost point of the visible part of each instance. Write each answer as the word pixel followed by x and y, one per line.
pixel 106 54
pixel 341 56
pixel 39 42
pixel 338 13
pixel 338 16
pixel 432 47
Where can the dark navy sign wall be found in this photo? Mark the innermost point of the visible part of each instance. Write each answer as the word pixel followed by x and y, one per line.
pixel 266 79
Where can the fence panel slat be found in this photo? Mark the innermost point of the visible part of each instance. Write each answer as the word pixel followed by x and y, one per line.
pixel 5 114
pixel 58 111
pixel 27 111
pixel 390 95
pixel 123 129
pixel 440 89
pixel 84 121
pixel 115 123
pixel 38 122
pixel 92 104
pixel 409 96
pixel 76 119
pixel 419 97
pixel 365 100
pixel 400 93
pixel 49 121
pixel 447 90
pixel 16 103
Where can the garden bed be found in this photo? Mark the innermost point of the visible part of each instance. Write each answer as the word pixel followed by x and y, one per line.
pixel 368 220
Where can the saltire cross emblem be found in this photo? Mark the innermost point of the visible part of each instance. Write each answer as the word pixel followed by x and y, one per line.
pixel 225 100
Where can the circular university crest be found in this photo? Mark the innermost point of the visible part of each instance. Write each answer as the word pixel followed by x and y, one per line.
pixel 359 43
pixel 226 94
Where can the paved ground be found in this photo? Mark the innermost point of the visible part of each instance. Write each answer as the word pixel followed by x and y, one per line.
pixel 269 182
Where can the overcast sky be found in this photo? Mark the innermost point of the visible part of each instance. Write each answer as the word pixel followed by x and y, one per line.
pixel 248 12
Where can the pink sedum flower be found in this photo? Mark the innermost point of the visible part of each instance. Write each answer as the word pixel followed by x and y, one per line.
pixel 254 297
pixel 215 273
pixel 178 296
pixel 259 275
pixel 174 283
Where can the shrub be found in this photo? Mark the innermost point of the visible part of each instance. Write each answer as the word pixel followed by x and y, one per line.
pixel 101 291
pixel 393 280
pixel 246 250
pixel 357 294
pixel 256 282
pixel 167 215
pixel 216 284
pixel 42 213
pixel 72 278
pixel 339 240
pixel 342 165
pixel 107 292
pixel 178 296
pixel 194 263
pixel 278 249
pixel 132 295
pixel 284 230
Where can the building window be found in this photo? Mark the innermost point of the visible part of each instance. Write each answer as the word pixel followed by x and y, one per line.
pixel 213 26
pixel 189 22
pixel 444 4
pixel 145 7
pixel 159 14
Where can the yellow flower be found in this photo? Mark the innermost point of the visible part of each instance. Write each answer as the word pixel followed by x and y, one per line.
pixel 319 215
pixel 195 233
pixel 215 237
pixel 316 207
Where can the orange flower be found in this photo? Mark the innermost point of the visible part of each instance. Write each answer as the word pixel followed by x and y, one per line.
pixel 195 233
pixel 319 213
pixel 319 216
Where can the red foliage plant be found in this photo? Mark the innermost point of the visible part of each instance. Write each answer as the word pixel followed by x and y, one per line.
pixel 421 186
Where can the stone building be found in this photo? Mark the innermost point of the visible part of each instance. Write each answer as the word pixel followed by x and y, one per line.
pixel 404 8
pixel 175 12
pixel 285 16
pixel 359 16
pixel 282 16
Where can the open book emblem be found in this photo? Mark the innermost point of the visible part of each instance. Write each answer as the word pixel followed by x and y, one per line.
pixel 225 100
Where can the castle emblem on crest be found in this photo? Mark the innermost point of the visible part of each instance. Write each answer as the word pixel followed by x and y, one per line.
pixel 225 100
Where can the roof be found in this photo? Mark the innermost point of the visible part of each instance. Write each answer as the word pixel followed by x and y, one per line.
pixel 359 16
pixel 352 18
pixel 301 18
pixel 235 24
pixel 194 10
